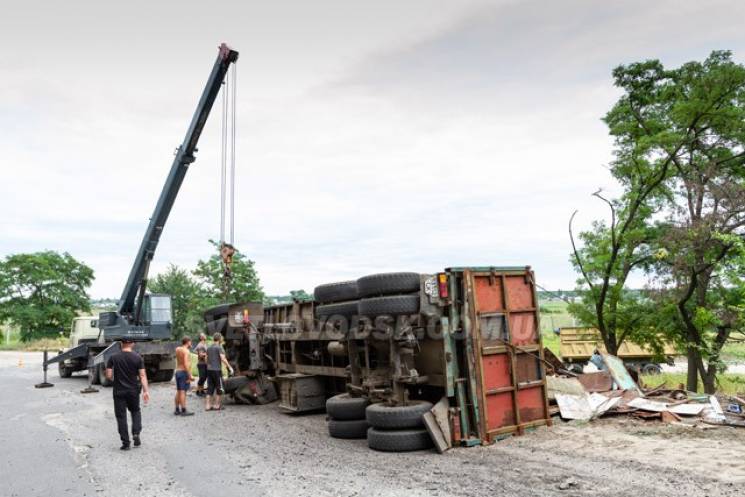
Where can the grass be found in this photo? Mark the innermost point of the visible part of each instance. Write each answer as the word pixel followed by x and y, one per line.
pixel 14 343
pixel 554 315
pixel 728 383
pixel 734 351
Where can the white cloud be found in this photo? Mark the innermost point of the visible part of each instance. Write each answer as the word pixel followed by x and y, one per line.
pixel 373 137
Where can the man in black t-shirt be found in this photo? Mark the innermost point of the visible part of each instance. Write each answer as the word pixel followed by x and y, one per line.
pixel 127 370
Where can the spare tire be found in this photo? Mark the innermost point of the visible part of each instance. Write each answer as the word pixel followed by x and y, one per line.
pixel 336 292
pixel 345 407
pixel 217 312
pixel 387 284
pixel 398 440
pixel 355 428
pixel 394 417
pixel 391 305
pixel 346 309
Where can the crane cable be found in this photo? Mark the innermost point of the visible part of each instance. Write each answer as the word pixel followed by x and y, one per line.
pixel 227 141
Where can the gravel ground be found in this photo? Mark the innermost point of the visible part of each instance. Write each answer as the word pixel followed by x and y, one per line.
pixel 70 441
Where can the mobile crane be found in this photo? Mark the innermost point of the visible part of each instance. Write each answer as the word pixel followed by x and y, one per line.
pixel 147 317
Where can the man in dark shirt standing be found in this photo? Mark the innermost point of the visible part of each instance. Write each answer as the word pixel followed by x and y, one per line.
pixel 127 370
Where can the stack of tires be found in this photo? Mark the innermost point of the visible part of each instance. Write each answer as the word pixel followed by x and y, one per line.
pixel 336 300
pixel 398 428
pixel 390 294
pixel 346 416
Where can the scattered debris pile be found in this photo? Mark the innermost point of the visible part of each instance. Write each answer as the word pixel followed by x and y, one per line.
pixel 614 391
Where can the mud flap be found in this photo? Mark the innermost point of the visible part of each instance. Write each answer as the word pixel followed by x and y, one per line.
pixel 438 425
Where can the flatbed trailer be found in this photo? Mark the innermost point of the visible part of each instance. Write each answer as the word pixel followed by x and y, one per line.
pixel 465 339
pixel 577 344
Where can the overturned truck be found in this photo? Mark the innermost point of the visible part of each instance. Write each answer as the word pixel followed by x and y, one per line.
pixel 402 359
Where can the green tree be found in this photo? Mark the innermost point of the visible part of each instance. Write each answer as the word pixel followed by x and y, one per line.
pixel 245 285
pixel 42 292
pixel 679 155
pixel 706 207
pixel 187 296
pixel 300 295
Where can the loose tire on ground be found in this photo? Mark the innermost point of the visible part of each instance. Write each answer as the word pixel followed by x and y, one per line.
pixel 64 371
pixel 354 428
pixel 398 440
pixel 392 305
pixel 391 418
pixel 387 284
pixel 344 407
pixel 163 375
pixel 346 309
pixel 336 292
pixel 233 384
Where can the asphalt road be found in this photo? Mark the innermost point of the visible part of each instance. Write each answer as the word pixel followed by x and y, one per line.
pixel 59 442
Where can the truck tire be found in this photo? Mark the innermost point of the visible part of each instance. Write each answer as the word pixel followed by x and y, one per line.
pixel 335 292
pixel 651 368
pixel 346 309
pixel 344 407
pixel 163 375
pixel 388 284
pixel 234 383
pixel 64 371
pixel 102 380
pixel 93 376
pixel 398 440
pixel 395 417
pixel 354 428
pixel 577 367
pixel 391 305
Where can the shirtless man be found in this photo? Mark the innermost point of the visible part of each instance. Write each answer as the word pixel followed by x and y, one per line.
pixel 183 376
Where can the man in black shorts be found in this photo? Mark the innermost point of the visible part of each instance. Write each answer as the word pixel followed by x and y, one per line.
pixel 215 359
pixel 127 370
pixel 201 351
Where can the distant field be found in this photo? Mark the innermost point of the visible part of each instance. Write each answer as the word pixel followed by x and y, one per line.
pixel 558 317
pixel 554 315
pixel 727 383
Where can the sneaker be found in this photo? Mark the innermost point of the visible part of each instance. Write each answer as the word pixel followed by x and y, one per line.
pixel 177 412
pixel 137 441
pixel 125 446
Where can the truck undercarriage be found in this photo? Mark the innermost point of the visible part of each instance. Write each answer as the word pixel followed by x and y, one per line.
pixel 465 341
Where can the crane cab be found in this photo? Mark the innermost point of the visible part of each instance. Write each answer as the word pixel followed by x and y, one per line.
pixel 155 321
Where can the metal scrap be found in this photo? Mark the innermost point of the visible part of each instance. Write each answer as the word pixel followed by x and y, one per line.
pixel 601 381
pixel 614 390
pixel 620 374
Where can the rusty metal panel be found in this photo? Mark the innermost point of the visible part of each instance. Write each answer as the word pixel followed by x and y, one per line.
pixel 489 296
pixel 523 329
pixel 499 411
pixel 508 354
pixel 496 372
pixel 520 292
pixel 531 404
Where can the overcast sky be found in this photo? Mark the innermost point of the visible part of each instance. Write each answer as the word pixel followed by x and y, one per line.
pixel 372 136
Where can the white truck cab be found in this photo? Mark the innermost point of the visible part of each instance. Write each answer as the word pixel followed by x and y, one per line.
pixel 83 329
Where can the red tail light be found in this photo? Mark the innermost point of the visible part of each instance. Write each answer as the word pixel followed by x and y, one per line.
pixel 442 283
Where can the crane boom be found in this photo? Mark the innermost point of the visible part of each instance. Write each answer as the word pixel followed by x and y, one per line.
pixel 132 297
